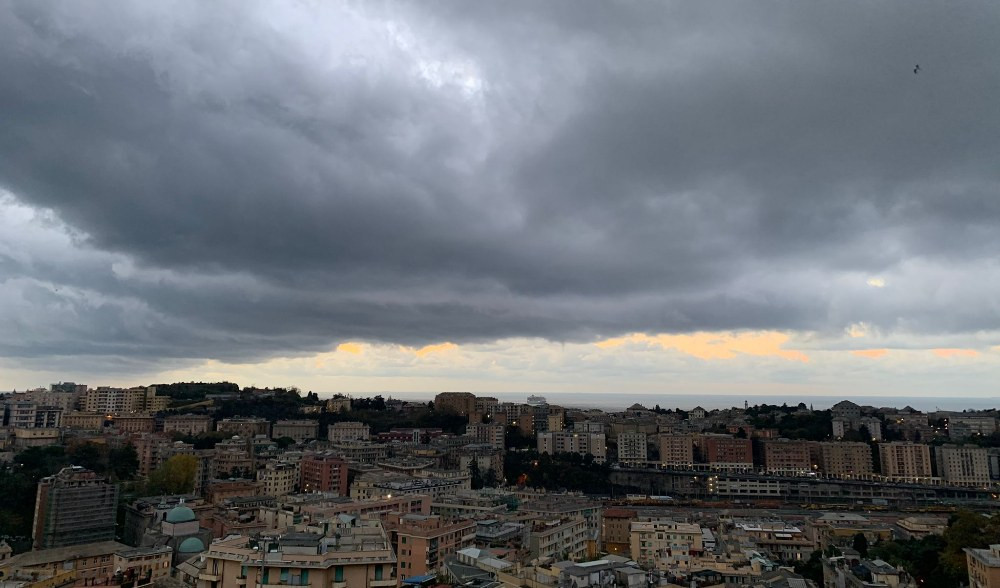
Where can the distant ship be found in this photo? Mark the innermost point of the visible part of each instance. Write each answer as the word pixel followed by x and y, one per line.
pixel 537 401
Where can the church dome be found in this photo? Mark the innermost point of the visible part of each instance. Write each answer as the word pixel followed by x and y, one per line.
pixel 180 514
pixel 191 545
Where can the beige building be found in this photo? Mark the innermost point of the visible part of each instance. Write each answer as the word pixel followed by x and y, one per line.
pixel 616 530
pixel 134 423
pixel 246 427
pixel 492 434
pixel 108 400
pixel 83 421
pixel 959 465
pixel 559 538
pixel 422 542
pixel 983 566
pixel 462 403
pixel 554 442
pixel 348 431
pixel 905 460
pixel 338 404
pixel 676 451
pixel 300 430
pixel 361 451
pixel 787 457
pixel 356 555
pixel 632 448
pixel 842 460
pixel 87 564
pixel 279 478
pixel 664 544
pixel 187 424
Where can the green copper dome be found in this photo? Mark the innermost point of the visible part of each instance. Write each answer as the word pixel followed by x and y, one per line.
pixel 180 514
pixel 191 545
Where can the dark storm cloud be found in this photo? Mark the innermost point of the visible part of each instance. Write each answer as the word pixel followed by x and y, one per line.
pixel 282 180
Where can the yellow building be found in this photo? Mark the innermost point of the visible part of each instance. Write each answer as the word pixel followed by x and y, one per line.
pixel 984 567
pixel 356 555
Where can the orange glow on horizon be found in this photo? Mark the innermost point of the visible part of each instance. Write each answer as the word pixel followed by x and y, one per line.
pixel 952 352
pixel 724 345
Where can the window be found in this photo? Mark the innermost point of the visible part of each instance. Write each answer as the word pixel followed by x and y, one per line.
pixel 378 572
pixel 338 574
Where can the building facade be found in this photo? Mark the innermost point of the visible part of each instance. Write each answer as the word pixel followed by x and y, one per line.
pixel 73 507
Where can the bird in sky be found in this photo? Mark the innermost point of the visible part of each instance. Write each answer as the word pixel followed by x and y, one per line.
pixel 916 69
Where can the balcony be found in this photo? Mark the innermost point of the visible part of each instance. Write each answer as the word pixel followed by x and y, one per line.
pixel 385 583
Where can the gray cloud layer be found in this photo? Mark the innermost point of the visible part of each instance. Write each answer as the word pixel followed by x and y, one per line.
pixel 244 179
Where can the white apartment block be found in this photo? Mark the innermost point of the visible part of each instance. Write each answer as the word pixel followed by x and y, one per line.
pixel 963 465
pixel 632 448
pixel 492 434
pixel 348 431
pixel 562 539
pixel 664 544
pixel 554 442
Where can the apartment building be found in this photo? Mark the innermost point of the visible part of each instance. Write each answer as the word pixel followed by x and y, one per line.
pixel 338 404
pixel 782 541
pixel 786 457
pixel 246 427
pixel 616 530
pixel 972 425
pixel 676 451
pixel 960 465
pixel 361 451
pixel 632 448
pixel 725 453
pixel 187 424
pixel 353 556
pixel 88 564
pixel 348 431
pixel 554 442
pixel 664 544
pixel 28 415
pixel 73 507
pixel 422 542
pixel 560 538
pixel 983 566
pixel 905 460
pixel 82 421
pixel 491 434
pixel 323 473
pixel 461 403
pixel 842 460
pixel 300 430
pixel 279 478
pixel 109 400
pixel 234 458
pixel 134 423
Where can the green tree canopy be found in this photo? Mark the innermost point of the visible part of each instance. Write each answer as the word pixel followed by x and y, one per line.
pixel 175 476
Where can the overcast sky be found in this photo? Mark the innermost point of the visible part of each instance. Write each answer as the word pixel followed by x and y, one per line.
pixel 557 195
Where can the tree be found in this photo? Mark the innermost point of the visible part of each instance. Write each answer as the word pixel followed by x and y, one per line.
pixel 87 455
pixel 811 569
pixel 124 462
pixel 860 544
pixel 477 478
pixel 175 476
pixel 284 442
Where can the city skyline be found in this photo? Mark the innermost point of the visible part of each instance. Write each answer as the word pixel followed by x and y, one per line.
pixel 561 197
